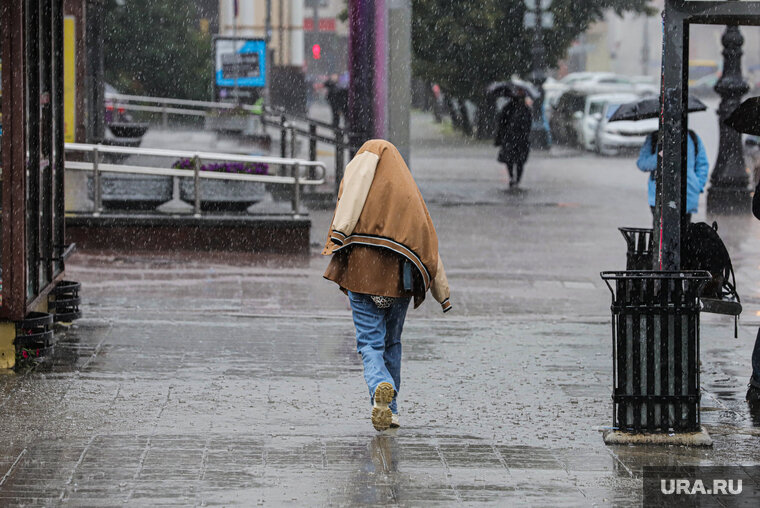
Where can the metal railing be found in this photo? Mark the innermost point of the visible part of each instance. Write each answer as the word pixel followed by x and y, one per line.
pixel 167 106
pixel 316 170
pixel 314 131
pixel 289 125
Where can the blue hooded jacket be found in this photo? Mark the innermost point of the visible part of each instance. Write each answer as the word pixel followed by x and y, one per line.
pixel 697 170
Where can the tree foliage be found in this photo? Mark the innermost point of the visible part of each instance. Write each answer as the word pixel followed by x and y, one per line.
pixel 463 46
pixel 156 48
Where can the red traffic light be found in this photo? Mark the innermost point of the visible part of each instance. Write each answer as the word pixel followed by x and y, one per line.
pixel 316 51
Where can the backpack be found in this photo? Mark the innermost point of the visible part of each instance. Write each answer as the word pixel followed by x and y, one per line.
pixel 703 249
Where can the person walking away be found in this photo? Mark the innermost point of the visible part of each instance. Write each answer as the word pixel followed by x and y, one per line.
pixel 437 103
pixel 384 252
pixel 337 99
pixel 697 169
pixel 513 135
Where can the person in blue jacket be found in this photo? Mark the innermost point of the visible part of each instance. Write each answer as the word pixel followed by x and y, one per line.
pixel 697 169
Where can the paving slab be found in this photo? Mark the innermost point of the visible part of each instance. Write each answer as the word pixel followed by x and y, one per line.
pixel 233 379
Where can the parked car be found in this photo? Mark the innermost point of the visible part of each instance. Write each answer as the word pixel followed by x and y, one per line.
pixel 568 111
pixel 121 128
pixel 613 137
pixel 700 68
pixel 646 85
pixel 705 84
pixel 598 82
pixel 593 118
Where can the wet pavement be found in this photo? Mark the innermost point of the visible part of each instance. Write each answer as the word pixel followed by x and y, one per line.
pixel 226 380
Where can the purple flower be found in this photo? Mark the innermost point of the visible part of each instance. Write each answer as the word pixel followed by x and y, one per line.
pixel 249 168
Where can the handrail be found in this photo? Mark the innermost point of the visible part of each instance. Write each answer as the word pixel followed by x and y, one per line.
pixel 173 111
pixel 98 167
pixel 179 102
pixel 218 105
pixel 186 173
pixel 268 116
pixel 296 117
pixel 163 152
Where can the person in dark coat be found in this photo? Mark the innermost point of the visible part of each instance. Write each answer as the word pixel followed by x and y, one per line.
pixel 513 135
pixel 753 391
pixel 337 98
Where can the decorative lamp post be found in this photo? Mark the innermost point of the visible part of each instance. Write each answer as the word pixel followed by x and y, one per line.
pixel 729 184
pixel 537 19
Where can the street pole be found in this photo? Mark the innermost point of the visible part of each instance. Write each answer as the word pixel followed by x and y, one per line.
pixel 315 29
pixel 537 19
pixel 268 64
pixel 538 134
pixel 645 48
pixel 361 57
pixel 729 185
pixel 94 78
pixel 234 48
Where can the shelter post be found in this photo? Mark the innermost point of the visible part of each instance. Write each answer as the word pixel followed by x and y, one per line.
pixel 672 181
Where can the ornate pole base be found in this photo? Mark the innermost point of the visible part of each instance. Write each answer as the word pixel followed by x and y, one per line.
pixel 729 200
pixel 729 191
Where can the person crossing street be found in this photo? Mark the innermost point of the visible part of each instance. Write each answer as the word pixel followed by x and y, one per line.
pixel 513 135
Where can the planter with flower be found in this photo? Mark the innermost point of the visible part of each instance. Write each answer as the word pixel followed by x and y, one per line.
pixel 223 194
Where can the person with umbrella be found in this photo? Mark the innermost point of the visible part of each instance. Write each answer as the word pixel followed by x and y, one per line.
pixel 513 133
pixel 697 165
pixel 697 169
pixel 745 119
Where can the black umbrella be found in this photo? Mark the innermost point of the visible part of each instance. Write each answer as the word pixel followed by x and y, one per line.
pixel 514 88
pixel 745 117
pixel 649 108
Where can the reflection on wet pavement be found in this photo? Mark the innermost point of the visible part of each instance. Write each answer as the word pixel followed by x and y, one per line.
pixel 126 411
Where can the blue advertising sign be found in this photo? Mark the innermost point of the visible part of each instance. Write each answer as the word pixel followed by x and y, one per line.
pixel 240 63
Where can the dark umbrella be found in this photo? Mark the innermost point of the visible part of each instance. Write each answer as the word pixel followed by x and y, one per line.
pixel 649 108
pixel 514 88
pixel 745 117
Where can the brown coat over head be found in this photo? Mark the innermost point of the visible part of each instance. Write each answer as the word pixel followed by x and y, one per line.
pixel 380 206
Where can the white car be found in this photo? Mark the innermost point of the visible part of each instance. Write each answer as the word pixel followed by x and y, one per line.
pixel 587 121
pixel 554 88
pixel 612 137
pixel 646 85
pixel 596 82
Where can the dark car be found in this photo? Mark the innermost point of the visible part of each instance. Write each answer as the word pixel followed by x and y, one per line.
pixel 570 107
pixel 121 129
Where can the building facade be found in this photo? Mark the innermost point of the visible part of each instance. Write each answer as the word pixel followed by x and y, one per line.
pixel 308 34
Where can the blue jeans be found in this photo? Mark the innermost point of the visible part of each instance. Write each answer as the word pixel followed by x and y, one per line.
pixel 378 340
pixel 755 380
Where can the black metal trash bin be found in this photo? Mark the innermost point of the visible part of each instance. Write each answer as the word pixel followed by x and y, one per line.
pixel 63 301
pixel 640 247
pixel 655 349
pixel 35 333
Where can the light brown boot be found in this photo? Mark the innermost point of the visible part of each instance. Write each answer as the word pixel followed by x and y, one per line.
pixel 381 413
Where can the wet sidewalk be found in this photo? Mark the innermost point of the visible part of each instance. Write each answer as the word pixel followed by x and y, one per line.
pixel 223 380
